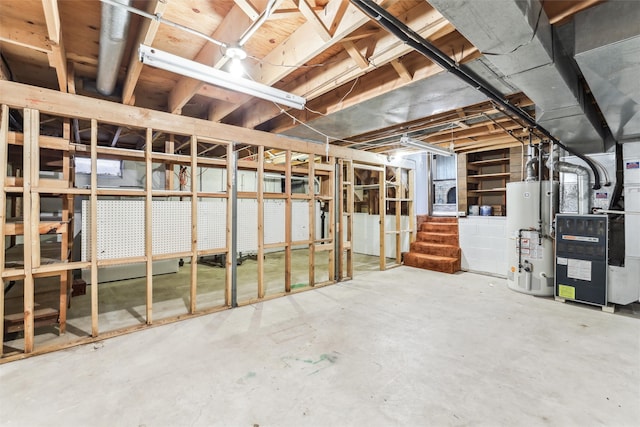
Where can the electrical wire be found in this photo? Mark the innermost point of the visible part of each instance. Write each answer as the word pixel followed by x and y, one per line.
pixel 160 19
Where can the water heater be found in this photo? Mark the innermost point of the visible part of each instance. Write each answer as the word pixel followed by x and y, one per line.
pixel 530 254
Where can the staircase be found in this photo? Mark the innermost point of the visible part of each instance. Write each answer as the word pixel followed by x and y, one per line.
pixel 436 247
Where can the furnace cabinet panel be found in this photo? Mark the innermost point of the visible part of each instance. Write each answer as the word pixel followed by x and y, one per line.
pixel 581 258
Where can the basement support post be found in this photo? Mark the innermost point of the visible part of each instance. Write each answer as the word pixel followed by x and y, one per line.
pixel 233 163
pixel 337 237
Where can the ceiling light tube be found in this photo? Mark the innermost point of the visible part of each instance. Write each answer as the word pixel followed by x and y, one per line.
pixel 434 149
pixel 175 64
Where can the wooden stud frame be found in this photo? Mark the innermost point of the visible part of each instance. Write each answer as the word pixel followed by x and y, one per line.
pixel 33 100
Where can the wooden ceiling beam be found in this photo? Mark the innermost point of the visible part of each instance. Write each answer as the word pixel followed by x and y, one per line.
pixel 229 30
pixel 318 82
pixel 248 8
pixel 402 71
pixel 319 26
pixel 10 32
pixel 146 35
pixel 304 44
pixel 57 56
pixel 355 54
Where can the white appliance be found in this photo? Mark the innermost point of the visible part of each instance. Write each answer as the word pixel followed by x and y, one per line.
pixel 624 282
pixel 530 255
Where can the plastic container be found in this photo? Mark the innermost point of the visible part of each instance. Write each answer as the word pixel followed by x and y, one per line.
pixel 486 210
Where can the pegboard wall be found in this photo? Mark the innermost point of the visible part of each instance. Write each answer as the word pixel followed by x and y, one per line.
pixel 274 217
pixel 299 220
pixel 248 225
pixel 121 227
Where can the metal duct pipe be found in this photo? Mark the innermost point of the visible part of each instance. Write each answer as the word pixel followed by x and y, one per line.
pixel 583 180
pixel 114 28
pixel 417 42
pixel 531 169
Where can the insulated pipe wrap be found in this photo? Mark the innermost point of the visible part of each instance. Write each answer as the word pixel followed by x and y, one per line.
pixel 114 28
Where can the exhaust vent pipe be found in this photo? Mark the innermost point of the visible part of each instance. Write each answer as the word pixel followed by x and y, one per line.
pixel 114 28
pixel 583 176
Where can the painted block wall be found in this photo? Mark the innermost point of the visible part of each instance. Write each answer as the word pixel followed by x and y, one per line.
pixel 483 240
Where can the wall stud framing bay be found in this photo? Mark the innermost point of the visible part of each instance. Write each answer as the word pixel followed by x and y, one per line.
pixel 260 187
pixel 311 191
pixel 287 222
pixel 193 285
pixel 148 221
pixel 4 144
pixel 93 212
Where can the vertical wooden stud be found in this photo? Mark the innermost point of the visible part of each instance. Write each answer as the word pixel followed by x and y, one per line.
pixel 4 137
pixel 410 207
pixel 169 148
pixel 193 287
pixel 230 213
pixel 332 220
pixel 312 220
pixel 148 223
pixel 93 207
pixel 260 187
pixel 30 116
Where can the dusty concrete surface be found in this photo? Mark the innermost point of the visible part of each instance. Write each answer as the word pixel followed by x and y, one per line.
pixel 401 347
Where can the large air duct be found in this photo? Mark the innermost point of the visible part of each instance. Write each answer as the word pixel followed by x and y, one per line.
pixel 114 28
pixel 517 38
pixel 583 176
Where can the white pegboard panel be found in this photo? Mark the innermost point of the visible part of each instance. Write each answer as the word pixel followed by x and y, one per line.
pixel 171 226
pixel 86 232
pixel 274 219
pixel 299 220
pixel 120 229
pixel 212 224
pixel 248 225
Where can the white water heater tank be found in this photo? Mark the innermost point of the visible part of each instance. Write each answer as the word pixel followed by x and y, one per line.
pixel 530 254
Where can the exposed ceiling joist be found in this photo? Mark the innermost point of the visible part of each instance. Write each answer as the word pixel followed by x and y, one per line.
pixel 146 35
pixel 310 45
pixel 57 56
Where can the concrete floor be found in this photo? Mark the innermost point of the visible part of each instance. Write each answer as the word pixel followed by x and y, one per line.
pixel 121 304
pixel 400 347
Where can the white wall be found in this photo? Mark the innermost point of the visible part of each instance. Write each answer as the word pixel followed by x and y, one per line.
pixel 483 240
pixel 421 199
pixel 366 234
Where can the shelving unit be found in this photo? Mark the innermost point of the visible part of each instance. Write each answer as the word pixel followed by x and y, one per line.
pixel 487 174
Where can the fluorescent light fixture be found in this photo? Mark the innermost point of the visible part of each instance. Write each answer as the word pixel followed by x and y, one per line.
pixel 195 70
pixel 434 149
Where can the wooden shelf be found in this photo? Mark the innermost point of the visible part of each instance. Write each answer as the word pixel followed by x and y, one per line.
pixel 488 191
pixel 488 176
pixel 490 162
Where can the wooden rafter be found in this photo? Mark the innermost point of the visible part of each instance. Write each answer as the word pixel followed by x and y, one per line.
pixel 315 83
pixel 311 44
pixel 248 8
pixel 146 35
pixel 315 21
pixel 231 28
pixel 57 55
pixel 402 70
